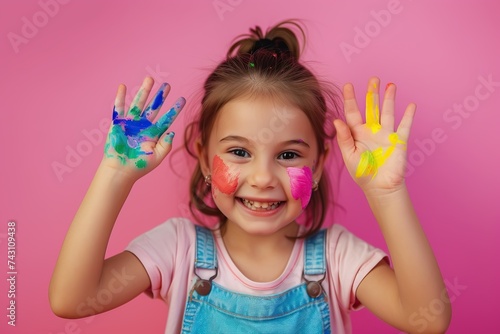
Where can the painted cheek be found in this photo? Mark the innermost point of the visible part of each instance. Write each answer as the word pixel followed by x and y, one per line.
pixel 222 178
pixel 301 184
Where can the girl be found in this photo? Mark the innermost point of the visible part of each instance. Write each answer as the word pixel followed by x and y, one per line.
pixel 261 142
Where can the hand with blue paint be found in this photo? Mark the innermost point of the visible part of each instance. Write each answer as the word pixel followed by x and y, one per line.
pixel 135 144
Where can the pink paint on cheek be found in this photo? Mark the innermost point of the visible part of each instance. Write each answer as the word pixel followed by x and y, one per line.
pixel 301 184
pixel 222 178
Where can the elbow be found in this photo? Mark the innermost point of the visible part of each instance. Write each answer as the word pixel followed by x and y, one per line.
pixel 61 308
pixel 430 322
pixel 64 306
pixel 442 322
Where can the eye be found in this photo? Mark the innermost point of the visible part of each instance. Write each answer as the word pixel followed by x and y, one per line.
pixel 240 153
pixel 288 155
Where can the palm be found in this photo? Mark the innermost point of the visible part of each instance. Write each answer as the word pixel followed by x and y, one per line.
pixel 374 154
pixel 133 142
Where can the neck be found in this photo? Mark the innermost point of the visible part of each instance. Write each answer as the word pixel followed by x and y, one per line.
pixel 236 238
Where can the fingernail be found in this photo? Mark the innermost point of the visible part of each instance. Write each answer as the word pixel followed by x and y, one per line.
pixel 169 137
pixel 179 104
pixel 387 86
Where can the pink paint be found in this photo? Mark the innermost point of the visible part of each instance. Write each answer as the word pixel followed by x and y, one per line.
pixel 301 181
pixel 222 178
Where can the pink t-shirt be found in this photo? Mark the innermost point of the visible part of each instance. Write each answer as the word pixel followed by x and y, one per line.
pixel 167 253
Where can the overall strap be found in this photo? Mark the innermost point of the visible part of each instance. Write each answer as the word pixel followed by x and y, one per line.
pixel 206 255
pixel 314 254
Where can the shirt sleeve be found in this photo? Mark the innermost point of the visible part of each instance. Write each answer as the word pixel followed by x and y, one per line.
pixel 158 251
pixel 350 260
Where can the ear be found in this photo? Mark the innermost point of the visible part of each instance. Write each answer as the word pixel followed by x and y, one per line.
pixel 202 155
pixel 318 168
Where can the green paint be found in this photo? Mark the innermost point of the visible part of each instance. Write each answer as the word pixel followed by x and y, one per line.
pixel 135 112
pixel 141 163
pixel 151 132
pixel 118 142
pixel 128 134
pixel 169 137
pixel 371 160
pixel 367 164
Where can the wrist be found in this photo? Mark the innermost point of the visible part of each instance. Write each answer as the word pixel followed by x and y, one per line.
pixel 386 196
pixel 115 175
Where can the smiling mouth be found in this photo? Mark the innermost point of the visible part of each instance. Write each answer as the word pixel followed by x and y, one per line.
pixel 260 206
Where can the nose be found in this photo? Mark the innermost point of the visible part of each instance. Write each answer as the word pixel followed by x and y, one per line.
pixel 262 175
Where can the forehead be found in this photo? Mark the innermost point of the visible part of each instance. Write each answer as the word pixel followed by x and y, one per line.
pixel 262 118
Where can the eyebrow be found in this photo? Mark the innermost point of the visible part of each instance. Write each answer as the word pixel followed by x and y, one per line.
pixel 246 141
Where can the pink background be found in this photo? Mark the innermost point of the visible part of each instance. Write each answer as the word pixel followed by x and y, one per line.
pixel 60 82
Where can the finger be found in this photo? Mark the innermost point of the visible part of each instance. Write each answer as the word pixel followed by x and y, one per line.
pixel 387 116
pixel 140 98
pixel 119 107
pixel 351 110
pixel 156 102
pixel 344 138
pixel 166 120
pixel 164 145
pixel 372 106
pixel 406 122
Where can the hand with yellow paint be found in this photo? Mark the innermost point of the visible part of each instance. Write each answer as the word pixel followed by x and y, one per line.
pixel 374 154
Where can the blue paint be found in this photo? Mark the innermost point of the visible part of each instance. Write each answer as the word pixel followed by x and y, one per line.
pixel 168 118
pixel 115 113
pixel 170 137
pixel 158 100
pixel 132 127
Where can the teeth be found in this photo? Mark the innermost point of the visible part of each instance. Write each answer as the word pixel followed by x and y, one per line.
pixel 254 205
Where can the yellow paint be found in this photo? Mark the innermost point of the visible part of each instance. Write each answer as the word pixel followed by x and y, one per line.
pixel 372 111
pixel 371 160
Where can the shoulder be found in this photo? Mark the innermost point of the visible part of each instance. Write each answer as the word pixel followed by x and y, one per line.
pixel 176 225
pixel 339 234
pixel 173 233
pixel 349 260
pixel 166 251
pixel 345 247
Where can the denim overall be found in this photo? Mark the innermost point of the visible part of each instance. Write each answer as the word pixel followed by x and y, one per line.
pixel 212 309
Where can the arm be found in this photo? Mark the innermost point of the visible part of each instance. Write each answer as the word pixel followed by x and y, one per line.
pixel 375 156
pixel 134 147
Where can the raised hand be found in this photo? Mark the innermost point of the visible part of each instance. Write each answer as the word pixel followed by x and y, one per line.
pixel 374 154
pixel 135 144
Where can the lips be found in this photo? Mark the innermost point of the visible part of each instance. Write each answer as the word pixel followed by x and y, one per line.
pixel 260 206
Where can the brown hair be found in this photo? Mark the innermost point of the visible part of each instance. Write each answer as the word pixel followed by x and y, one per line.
pixel 264 64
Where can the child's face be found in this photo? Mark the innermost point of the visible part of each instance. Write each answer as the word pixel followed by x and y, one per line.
pixel 263 157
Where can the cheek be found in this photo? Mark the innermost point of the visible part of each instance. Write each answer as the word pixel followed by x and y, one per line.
pixel 301 184
pixel 225 180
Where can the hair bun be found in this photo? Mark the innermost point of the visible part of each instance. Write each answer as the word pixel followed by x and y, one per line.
pixel 278 39
pixel 276 45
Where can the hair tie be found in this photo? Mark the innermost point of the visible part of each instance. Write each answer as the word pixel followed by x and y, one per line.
pixel 276 45
pixel 264 43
